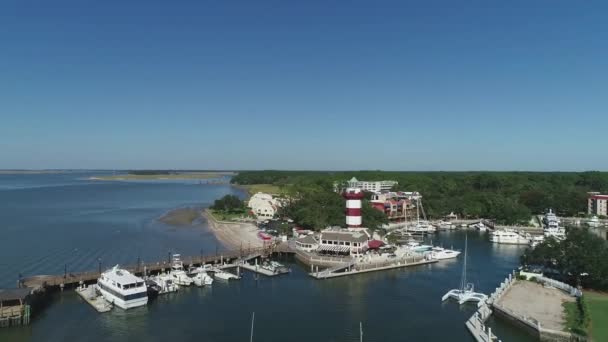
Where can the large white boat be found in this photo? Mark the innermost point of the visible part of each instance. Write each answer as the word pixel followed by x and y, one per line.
pixel 178 275
pixel 123 289
pixel 552 227
pixel 440 253
pixel 508 236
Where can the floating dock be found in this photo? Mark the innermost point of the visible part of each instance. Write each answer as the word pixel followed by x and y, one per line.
pixel 353 269
pixel 89 294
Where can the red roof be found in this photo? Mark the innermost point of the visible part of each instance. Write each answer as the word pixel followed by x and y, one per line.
pixel 599 196
pixel 375 244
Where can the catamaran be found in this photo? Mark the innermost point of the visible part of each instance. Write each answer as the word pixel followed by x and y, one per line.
pixel 466 292
pixel 123 289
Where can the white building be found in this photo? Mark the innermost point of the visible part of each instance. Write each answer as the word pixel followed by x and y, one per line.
pixel 263 206
pixel 349 242
pixel 307 243
pixel 597 204
pixel 373 186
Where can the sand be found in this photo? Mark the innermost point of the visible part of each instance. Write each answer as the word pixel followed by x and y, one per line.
pixel 234 235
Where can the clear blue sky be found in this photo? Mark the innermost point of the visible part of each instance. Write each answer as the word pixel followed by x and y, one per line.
pixel 394 85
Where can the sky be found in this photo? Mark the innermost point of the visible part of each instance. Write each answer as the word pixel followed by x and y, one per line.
pixel 321 85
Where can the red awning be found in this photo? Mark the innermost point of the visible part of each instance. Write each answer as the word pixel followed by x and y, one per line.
pixel 375 244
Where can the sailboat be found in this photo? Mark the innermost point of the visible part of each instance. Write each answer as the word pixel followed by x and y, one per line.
pixel 466 292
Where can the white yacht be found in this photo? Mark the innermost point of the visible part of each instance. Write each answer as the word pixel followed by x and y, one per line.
pixel 440 253
pixel 178 275
pixel 552 227
pixel 593 222
pixel 123 289
pixel 508 236
pixel 165 282
pixel 421 227
pixel 417 247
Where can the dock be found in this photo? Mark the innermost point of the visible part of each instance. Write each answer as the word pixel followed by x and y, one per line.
pixel 89 294
pixel 72 280
pixel 352 268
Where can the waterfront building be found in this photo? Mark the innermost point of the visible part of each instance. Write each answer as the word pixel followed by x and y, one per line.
pixel 344 241
pixel 597 204
pixel 371 186
pixel 307 243
pixel 395 205
pixel 263 206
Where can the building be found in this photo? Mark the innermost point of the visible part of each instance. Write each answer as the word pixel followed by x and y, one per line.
pixel 597 204
pixel 344 241
pixel 263 206
pixel 307 243
pixel 397 206
pixel 373 186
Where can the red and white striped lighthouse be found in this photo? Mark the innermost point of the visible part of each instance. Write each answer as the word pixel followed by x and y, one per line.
pixel 353 207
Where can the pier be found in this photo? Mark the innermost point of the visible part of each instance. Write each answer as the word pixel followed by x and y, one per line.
pixel 70 280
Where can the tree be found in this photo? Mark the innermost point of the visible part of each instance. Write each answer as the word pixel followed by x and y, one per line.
pixel 228 203
pixel 372 218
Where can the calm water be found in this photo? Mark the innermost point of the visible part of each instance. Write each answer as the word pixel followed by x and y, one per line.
pixel 63 219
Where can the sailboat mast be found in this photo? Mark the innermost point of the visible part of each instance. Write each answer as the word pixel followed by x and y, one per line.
pixel 463 279
pixel 252 321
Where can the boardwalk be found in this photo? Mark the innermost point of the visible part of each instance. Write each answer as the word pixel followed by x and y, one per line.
pixel 75 279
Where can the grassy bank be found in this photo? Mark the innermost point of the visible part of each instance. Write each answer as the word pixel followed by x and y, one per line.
pixel 597 303
pixel 226 216
pixel 181 216
pixel 184 175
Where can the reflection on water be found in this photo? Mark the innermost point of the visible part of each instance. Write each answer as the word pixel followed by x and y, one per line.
pixel 77 222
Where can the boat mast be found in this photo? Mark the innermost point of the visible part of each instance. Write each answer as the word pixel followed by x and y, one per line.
pixel 463 279
pixel 360 332
pixel 252 321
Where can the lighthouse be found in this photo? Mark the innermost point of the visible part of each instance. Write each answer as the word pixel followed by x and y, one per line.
pixel 353 198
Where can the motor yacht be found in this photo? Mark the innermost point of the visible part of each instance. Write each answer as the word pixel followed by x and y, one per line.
pixel 440 253
pixel 508 236
pixel 123 289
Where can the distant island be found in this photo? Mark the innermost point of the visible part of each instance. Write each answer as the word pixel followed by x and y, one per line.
pixel 163 174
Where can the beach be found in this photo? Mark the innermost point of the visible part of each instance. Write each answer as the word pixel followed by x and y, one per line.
pixel 234 235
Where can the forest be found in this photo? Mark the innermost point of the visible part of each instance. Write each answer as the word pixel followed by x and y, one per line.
pixel 507 197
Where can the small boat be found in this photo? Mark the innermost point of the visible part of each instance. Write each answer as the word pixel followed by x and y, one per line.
pixel 274 267
pixel 153 288
pixel 223 275
pixel 177 273
pixel 122 288
pixel 165 282
pixel 440 253
pixel 202 279
pixel 480 226
pixel 417 247
pixel 593 222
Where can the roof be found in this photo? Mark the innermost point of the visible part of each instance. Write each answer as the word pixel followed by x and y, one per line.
pixel 344 236
pixel 373 244
pixel 122 276
pixel 599 196
pixel 14 294
pixel 308 239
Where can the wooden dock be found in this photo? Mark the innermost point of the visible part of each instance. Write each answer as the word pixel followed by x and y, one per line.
pixel 69 279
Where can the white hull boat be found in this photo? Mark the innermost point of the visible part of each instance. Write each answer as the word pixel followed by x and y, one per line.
pixel 177 273
pixel 165 282
pixel 202 279
pixel 440 253
pixel 466 292
pixel 224 276
pixel 509 237
pixel 122 289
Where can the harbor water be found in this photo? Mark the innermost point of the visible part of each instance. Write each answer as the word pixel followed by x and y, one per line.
pixel 54 222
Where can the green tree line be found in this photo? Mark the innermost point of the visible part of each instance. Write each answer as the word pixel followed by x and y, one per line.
pixel 508 197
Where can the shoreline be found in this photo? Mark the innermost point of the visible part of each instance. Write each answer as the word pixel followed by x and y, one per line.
pixel 233 235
